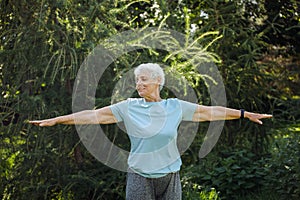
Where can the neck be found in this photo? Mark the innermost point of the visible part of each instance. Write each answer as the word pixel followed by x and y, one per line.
pixel 153 98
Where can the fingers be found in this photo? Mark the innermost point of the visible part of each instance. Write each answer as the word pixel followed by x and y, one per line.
pixel 266 116
pixel 36 122
pixel 257 118
pixel 259 122
pixel 41 123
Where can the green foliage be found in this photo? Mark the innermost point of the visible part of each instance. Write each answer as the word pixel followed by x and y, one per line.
pixel 284 167
pixel 41 47
pixel 233 173
pixel 282 24
pixel 240 174
pixel 193 191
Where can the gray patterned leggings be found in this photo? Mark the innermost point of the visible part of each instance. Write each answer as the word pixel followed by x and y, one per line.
pixel 164 188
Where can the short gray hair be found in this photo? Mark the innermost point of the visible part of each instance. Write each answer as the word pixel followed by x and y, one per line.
pixel 154 69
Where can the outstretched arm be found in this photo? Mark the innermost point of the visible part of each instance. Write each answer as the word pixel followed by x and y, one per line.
pixel 99 116
pixel 214 113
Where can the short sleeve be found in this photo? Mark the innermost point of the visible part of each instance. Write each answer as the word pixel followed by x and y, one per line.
pixel 188 110
pixel 118 110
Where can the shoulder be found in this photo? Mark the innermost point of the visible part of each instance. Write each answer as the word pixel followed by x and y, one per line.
pixel 173 100
pixel 129 100
pixel 134 100
pixel 179 102
pixel 186 104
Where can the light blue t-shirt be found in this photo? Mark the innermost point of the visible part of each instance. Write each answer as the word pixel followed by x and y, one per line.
pixel 152 130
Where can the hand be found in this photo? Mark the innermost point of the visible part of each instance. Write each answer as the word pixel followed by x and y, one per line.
pixel 45 122
pixel 256 117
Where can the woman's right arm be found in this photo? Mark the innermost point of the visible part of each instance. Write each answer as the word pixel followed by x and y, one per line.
pixel 99 116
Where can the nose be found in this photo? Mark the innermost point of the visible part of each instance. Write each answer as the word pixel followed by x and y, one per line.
pixel 138 82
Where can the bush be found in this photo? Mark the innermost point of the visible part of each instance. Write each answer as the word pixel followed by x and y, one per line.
pixel 192 191
pixel 284 167
pixel 238 173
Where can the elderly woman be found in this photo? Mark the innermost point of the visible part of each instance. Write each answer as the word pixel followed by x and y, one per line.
pixel 151 123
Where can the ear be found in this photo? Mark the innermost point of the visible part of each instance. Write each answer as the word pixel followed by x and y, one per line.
pixel 159 80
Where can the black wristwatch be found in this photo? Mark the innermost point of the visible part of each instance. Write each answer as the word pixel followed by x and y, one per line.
pixel 242 114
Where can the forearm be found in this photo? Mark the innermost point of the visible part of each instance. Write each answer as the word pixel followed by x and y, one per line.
pixel 83 117
pixel 214 113
pixel 99 116
pixel 223 113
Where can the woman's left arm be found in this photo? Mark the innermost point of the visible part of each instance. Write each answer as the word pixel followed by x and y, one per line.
pixel 214 113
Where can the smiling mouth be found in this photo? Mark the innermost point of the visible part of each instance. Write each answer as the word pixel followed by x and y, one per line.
pixel 140 88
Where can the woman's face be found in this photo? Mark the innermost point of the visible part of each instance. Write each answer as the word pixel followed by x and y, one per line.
pixel 145 85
